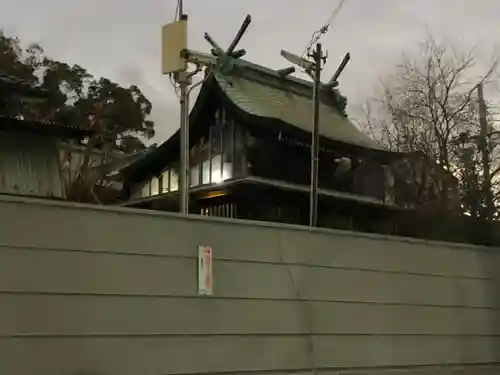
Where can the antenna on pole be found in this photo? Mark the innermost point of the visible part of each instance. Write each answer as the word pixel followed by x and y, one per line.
pixel 305 64
pixel 176 57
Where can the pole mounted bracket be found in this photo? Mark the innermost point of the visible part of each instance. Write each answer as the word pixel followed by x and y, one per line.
pixel 308 66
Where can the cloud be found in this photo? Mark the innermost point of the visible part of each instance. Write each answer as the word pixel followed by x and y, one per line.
pixel 121 39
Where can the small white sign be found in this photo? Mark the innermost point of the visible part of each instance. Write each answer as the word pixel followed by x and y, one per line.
pixel 205 278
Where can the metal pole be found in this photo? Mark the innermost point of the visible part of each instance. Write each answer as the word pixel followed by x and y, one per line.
pixel 313 201
pixel 183 80
pixel 483 144
pixel 181 8
pixel 184 140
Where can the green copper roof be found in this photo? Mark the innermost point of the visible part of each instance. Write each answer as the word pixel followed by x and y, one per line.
pixel 275 100
pixel 264 93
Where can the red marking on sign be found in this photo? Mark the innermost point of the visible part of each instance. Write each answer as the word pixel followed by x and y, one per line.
pixel 208 280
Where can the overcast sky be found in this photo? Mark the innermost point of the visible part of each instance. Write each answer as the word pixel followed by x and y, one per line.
pixel 120 39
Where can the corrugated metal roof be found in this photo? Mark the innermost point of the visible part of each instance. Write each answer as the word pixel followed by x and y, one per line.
pixel 273 101
pixel 29 166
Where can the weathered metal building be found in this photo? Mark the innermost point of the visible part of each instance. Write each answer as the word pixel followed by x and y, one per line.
pixel 29 165
pixel 29 149
pixel 29 157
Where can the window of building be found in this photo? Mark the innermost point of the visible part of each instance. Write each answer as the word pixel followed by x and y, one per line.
pixel 160 184
pixel 174 180
pixel 218 174
pixel 194 175
pixel 216 169
pixel 227 170
pixel 205 172
pixel 155 186
pixel 165 181
pixel 146 191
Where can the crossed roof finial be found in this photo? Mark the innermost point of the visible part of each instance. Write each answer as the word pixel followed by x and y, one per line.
pixel 226 60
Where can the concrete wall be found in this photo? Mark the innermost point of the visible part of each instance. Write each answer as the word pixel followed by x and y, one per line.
pixel 89 291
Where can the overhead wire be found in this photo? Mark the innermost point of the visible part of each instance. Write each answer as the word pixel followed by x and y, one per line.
pixel 316 36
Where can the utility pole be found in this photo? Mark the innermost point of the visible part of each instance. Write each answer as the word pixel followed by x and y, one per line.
pixel 183 80
pixel 313 67
pixel 318 59
pixel 180 8
pixel 485 153
pixel 175 64
pixel 176 57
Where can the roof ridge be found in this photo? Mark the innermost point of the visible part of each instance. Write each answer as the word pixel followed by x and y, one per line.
pixel 258 73
pixel 246 64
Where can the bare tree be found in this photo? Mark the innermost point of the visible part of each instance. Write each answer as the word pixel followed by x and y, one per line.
pixel 429 106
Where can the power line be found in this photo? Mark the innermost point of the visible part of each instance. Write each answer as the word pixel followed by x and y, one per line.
pixel 326 26
pixel 335 13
